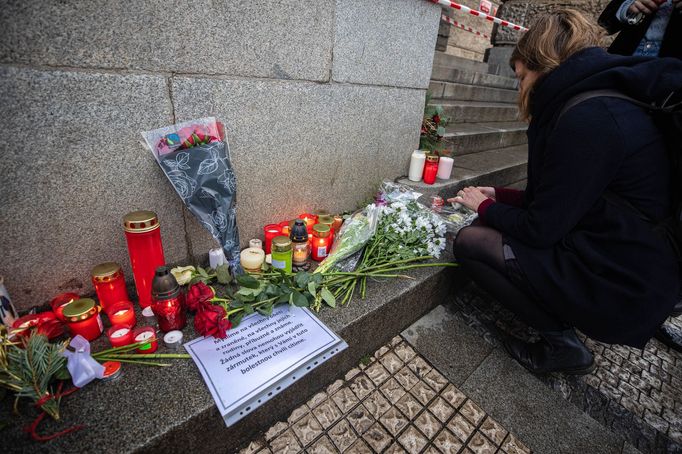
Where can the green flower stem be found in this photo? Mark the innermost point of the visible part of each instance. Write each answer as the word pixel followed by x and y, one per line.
pixel 123 348
pixel 151 355
pixel 254 305
pixel 133 361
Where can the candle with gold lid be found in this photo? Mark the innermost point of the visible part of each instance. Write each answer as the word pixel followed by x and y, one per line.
pixel 145 250
pixel 82 317
pixel 110 284
pixel 281 253
pixel 321 242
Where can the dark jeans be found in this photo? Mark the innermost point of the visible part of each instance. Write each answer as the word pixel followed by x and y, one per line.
pixel 491 263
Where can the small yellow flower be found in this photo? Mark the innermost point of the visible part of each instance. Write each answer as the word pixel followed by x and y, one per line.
pixel 183 274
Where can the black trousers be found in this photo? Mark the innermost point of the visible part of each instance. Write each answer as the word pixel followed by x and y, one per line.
pixel 491 263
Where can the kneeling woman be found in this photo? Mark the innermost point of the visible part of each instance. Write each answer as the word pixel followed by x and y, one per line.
pixel 572 250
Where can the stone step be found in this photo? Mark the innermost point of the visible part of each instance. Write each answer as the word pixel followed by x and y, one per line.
pixel 477 111
pixel 176 407
pixel 453 61
pixel 499 167
pixel 466 92
pixel 465 138
pixel 441 73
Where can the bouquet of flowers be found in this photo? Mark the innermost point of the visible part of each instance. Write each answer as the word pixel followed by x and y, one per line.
pixel 433 128
pixel 195 157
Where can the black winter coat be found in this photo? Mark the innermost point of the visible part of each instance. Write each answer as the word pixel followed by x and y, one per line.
pixel 630 35
pixel 595 264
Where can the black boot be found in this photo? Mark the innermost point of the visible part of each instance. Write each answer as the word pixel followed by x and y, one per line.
pixel 670 335
pixel 558 351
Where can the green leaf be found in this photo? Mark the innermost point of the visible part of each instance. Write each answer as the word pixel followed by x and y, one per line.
pixel 328 297
pixel 248 309
pixel 196 279
pixel 265 309
pixel 298 299
pixel 223 274
pixel 237 318
pixel 202 272
pixel 62 374
pixel 248 281
pixel 272 290
pixel 283 298
pixel 440 131
pixel 312 288
pixel 439 109
pixel 244 298
pixel 236 303
pixel 317 278
pixel 302 278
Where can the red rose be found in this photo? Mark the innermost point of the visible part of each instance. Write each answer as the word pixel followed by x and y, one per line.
pixel 211 320
pixel 436 119
pixel 197 294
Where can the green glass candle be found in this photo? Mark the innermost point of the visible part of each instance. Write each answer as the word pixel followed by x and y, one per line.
pixel 281 253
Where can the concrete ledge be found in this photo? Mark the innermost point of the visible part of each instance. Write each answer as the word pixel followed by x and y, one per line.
pixel 478 111
pixel 452 61
pixel 466 92
pixel 467 77
pixel 468 138
pixel 152 410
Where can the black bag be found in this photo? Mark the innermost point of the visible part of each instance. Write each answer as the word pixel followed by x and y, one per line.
pixel 667 115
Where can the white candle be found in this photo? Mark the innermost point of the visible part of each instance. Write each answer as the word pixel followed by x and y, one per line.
pixel 258 244
pixel 144 336
pixel 120 332
pixel 417 162
pixel 173 339
pixel 252 258
pixel 216 257
pixel 445 167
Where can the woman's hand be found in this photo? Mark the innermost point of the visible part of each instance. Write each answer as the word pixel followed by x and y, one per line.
pixel 470 197
pixel 488 191
pixel 647 6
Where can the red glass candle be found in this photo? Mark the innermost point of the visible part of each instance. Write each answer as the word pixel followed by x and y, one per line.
pixel 122 313
pixel 430 169
pixel 120 335
pixel 170 313
pixel 310 220
pixel 328 221
pixel 285 227
pixel 82 317
pixel 270 231
pixel 110 284
pixel 145 250
pixel 143 334
pixel 61 300
pixel 321 242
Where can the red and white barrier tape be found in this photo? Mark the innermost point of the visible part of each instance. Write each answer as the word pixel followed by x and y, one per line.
pixel 454 23
pixel 474 12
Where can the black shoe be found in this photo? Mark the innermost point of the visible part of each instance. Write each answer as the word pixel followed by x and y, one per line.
pixel 670 335
pixel 557 351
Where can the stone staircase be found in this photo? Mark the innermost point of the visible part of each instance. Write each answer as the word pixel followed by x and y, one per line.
pixel 484 136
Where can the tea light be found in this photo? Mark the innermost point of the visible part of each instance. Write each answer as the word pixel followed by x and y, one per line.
pixel 285 227
pixel 252 259
pixel 270 231
pixel 256 243
pixel 173 339
pixel 120 335
pixel 149 317
pixel 143 334
pixel 58 302
pixel 122 313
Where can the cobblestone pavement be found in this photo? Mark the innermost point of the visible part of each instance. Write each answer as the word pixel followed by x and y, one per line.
pixel 637 393
pixel 394 402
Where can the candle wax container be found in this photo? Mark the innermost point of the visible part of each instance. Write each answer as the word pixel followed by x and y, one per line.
pixel 270 231
pixel 173 340
pixel 256 243
pixel 445 167
pixel 329 222
pixel 285 227
pixel 143 236
pixel 60 301
pixel 143 334
pixel 168 301
pixel 417 161
pixel 299 243
pixel 252 259
pixel 310 220
pixel 321 242
pixel 82 317
pixel 120 335
pixel 338 222
pixel 430 169
pixel 216 257
pixel 281 253
pixel 110 284
pixel 122 313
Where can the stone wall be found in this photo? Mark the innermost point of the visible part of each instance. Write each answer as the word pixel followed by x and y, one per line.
pixel 321 101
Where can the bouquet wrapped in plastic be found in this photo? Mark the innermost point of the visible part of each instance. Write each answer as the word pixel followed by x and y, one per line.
pixel 195 157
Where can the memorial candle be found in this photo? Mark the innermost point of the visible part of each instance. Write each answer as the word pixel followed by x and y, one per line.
pixel 321 242
pixel 270 231
pixel 329 222
pixel 430 169
pixel 109 283
pixel 61 300
pixel 146 334
pixel 285 227
pixel 417 161
pixel 310 220
pixel 120 335
pixel 445 167
pixel 82 317
pixel 168 301
pixel 143 236
pixel 252 259
pixel 122 313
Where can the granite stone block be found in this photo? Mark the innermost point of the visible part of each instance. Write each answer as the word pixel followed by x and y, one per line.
pixel 287 39
pixel 298 147
pixel 385 43
pixel 76 170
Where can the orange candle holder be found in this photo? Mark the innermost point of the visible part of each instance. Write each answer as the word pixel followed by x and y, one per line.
pixel 120 335
pixel 122 313
pixel 146 333
pixel 60 301
pixel 270 231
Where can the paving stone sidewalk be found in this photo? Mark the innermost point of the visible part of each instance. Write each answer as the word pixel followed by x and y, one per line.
pixel 393 402
pixel 636 393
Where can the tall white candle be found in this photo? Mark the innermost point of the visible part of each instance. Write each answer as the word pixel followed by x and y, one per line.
pixel 445 167
pixel 216 257
pixel 417 162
